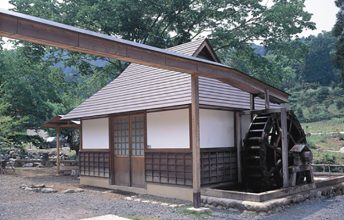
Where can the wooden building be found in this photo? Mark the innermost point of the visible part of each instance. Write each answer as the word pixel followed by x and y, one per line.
pixel 137 131
pixel 141 139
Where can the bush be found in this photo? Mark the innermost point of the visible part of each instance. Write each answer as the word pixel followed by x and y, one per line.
pixel 322 93
pixel 339 104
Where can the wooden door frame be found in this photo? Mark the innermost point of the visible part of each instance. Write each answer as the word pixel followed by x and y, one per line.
pixel 112 146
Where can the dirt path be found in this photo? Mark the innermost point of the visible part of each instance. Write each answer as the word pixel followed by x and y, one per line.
pixel 17 204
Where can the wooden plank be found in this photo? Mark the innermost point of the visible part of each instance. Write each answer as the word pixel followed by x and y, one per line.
pixel 267 99
pixel 285 150
pixel 50 33
pixel 58 150
pixel 238 141
pixel 195 143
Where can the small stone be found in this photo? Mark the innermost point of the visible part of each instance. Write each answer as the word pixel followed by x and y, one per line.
pixel 164 204
pixel 37 164
pixel 23 186
pixel 145 201
pixel 48 190
pixel 201 210
pixel 28 165
pixel 32 189
pixel 68 191
pixel 78 190
pixel 37 186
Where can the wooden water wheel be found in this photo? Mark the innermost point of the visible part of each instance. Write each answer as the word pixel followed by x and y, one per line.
pixel 262 156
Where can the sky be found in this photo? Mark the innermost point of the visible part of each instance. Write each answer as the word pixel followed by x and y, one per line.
pixel 324 14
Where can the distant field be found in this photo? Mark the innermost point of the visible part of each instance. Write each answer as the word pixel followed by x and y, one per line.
pixel 326 146
pixel 333 125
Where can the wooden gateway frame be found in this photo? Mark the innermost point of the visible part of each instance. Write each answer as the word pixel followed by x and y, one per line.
pixel 28 28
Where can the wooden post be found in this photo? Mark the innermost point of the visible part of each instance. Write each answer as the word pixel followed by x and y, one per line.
pixel 195 142
pixel 267 99
pixel 252 107
pixel 58 150
pixel 285 150
pixel 238 143
pixel 252 104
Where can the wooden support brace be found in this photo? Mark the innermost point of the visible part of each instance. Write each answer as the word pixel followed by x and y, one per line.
pixel 267 99
pixel 58 150
pixel 195 142
pixel 285 150
pixel 252 105
pixel 238 140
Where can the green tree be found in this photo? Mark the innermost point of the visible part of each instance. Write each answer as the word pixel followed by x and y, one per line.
pixel 338 31
pixel 231 24
pixel 319 65
pixel 29 87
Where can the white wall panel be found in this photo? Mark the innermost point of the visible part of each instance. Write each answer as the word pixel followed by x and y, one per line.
pixel 168 129
pixel 245 124
pixel 217 128
pixel 95 133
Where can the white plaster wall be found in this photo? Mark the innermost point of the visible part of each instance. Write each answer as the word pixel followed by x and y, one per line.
pixel 95 133
pixel 216 128
pixel 168 129
pixel 245 124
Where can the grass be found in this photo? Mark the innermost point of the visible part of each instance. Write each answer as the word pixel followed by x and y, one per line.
pixel 325 141
pixel 327 126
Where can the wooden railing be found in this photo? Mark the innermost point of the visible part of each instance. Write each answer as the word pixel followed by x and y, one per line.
pixel 328 168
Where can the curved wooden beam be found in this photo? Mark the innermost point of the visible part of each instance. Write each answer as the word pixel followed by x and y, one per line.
pixel 36 30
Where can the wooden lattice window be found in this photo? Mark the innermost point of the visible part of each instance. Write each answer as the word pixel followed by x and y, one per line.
pixel 94 164
pixel 137 134
pixel 218 165
pixel 169 168
pixel 121 136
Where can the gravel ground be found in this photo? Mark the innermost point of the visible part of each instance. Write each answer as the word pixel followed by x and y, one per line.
pixel 16 204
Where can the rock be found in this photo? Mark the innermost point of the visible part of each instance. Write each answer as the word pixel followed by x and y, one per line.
pixel 37 186
pixel 32 189
pixel 28 165
pixel 48 190
pixel 37 164
pixel 201 210
pixel 23 186
pixel 72 190
pixel 68 191
pixel 78 190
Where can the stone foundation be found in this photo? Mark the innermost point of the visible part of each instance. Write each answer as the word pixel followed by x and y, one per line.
pixel 271 205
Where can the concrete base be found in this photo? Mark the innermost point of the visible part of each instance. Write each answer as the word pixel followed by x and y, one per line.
pixel 170 191
pixel 330 187
pixel 105 183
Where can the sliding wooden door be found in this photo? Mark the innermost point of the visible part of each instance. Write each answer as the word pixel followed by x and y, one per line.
pixel 129 141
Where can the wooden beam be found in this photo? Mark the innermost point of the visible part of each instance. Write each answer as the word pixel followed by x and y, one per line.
pixel 195 142
pixel 267 99
pixel 58 150
pixel 28 28
pixel 252 103
pixel 238 141
pixel 285 150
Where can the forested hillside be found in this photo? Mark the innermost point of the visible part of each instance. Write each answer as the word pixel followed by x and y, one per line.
pixel 38 82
